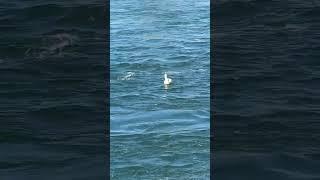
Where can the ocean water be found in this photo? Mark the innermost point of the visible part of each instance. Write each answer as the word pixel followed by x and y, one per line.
pixel 159 133
pixel 53 114
pixel 266 89
pixel 53 99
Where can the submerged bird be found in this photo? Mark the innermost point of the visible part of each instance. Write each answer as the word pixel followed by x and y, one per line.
pixel 167 80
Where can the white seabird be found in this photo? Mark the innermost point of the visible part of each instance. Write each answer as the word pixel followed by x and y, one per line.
pixel 167 80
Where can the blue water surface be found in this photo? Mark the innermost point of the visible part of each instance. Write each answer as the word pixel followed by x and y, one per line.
pixel 159 133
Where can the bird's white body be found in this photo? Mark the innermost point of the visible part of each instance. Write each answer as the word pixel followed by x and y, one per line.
pixel 167 80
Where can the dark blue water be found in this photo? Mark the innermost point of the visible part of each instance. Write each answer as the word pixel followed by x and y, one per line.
pixel 53 110
pixel 159 133
pixel 266 89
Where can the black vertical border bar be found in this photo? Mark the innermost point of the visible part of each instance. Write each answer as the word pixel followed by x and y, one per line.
pixel 107 81
pixel 212 60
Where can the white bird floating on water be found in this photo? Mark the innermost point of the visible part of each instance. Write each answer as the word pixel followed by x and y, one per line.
pixel 167 80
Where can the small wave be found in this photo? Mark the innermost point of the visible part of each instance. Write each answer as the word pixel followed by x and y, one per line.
pixel 52 45
pixel 128 76
pixel 173 72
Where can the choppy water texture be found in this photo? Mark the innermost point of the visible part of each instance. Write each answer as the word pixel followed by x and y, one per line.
pixel 52 70
pixel 159 133
pixel 266 90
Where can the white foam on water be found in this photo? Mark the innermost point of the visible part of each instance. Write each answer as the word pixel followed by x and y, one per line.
pixel 128 76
